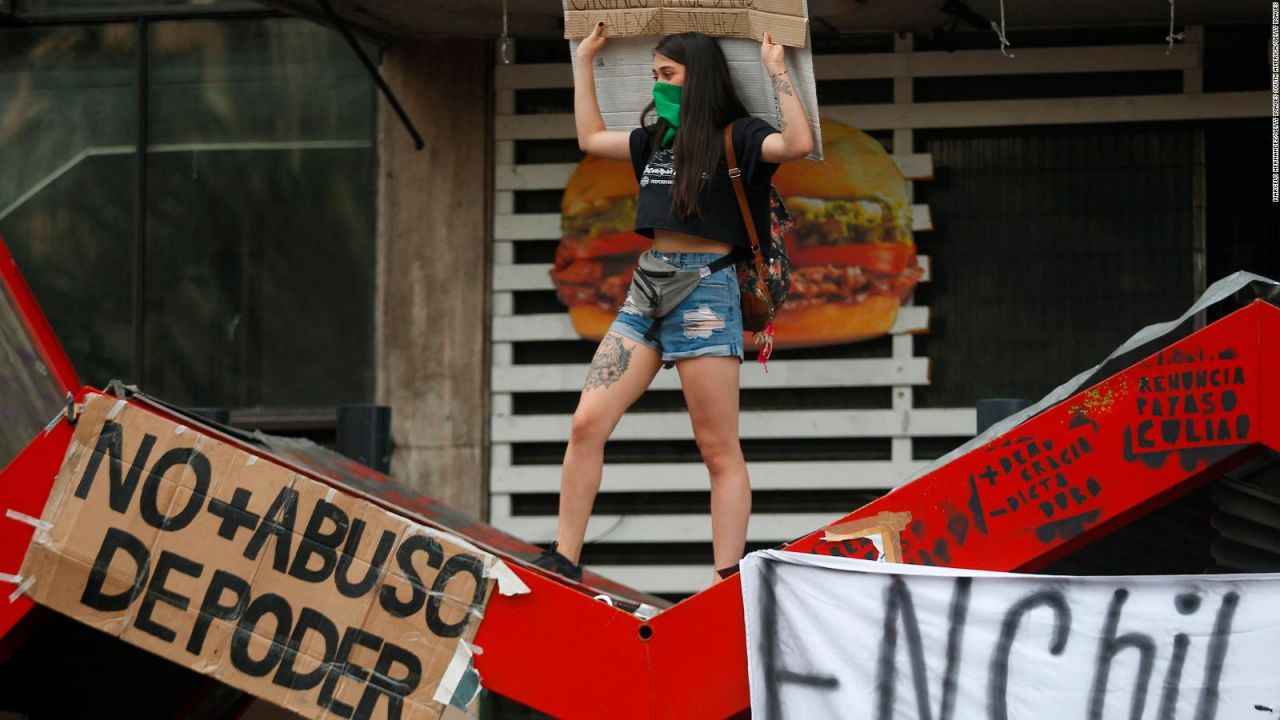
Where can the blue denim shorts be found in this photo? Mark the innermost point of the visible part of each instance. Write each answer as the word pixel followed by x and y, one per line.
pixel 708 323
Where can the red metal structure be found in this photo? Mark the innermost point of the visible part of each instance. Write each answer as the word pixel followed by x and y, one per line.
pixel 1058 481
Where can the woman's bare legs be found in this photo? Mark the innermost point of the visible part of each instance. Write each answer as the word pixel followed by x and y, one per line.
pixel 620 372
pixel 711 392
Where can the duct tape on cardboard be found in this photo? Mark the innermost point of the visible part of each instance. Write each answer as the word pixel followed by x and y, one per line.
pixel 265 579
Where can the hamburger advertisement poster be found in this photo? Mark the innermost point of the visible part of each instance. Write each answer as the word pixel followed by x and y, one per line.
pixel 852 253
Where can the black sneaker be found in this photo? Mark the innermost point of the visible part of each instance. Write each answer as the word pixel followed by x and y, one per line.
pixel 552 561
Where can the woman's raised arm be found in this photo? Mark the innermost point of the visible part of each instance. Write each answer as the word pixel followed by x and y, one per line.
pixel 593 138
pixel 796 140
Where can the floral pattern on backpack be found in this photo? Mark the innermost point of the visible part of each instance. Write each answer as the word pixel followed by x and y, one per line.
pixel 755 316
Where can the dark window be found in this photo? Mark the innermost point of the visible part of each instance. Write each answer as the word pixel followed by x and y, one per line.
pixel 67 183
pixel 1241 223
pixel 1236 58
pixel 259 205
pixel 1052 245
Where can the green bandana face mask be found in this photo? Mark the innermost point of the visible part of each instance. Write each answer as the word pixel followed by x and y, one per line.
pixel 666 99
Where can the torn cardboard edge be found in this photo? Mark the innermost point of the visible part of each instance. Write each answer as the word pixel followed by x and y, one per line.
pixel 887 525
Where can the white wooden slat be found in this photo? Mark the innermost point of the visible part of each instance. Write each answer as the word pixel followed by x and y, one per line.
pixel 549 176
pixel 501 354
pixel 528 226
pixel 530 276
pixel 501 405
pixel 1051 111
pixel 535 276
pixel 921 219
pixel 1115 58
pixel 1193 75
pixel 546 226
pixel 504 152
pixel 874 372
pixel 556 326
pixel 764 527
pixel 499 456
pixel 975 113
pixel 554 176
pixel 755 424
pixel 681 477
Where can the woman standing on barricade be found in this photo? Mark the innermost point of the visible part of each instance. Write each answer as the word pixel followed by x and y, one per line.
pixel 683 304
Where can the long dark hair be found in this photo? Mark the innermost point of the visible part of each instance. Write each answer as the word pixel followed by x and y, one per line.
pixel 708 102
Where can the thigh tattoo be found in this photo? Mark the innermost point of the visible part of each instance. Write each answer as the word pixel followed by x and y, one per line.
pixel 609 364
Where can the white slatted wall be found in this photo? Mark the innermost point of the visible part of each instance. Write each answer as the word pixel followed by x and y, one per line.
pixel 896 422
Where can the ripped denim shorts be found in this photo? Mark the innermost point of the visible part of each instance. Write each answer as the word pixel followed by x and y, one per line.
pixel 708 323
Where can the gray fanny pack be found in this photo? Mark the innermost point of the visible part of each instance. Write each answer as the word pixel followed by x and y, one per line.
pixel 657 286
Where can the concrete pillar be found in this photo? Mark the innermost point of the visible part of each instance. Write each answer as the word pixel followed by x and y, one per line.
pixel 432 307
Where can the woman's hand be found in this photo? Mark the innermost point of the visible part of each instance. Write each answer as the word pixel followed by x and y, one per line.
pixel 591 44
pixel 773 56
pixel 593 138
pixel 794 139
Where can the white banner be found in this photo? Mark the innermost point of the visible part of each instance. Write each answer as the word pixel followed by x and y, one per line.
pixel 842 638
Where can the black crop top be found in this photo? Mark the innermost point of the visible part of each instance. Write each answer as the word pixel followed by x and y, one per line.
pixel 718 216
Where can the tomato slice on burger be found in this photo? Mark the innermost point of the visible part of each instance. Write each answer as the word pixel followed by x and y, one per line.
pixel 887 258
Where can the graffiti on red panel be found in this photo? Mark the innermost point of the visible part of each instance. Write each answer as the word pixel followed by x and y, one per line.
pixel 1039 482
pixel 1042 485
pixel 1196 406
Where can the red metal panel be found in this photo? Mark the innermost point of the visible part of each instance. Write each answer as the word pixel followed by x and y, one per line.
pixel 45 341
pixel 24 487
pixel 562 652
pixel 1269 369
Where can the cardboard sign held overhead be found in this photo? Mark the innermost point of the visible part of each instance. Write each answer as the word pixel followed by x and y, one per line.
pixel 787 21
pixel 268 580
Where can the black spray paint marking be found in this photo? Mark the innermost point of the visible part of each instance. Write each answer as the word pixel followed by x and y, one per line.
pixel 1194 411
pixel 898 604
pixel 998 680
pixel 774 676
pixel 1108 648
pixel 1207 707
pixel 1066 528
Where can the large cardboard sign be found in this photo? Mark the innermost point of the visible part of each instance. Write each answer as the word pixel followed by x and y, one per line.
pixel 241 569
pixel 787 21
pixel 841 637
